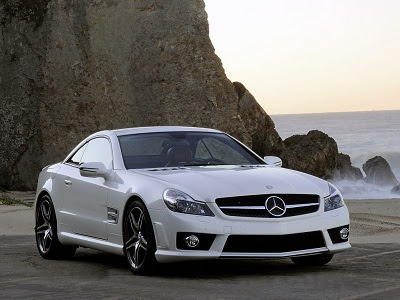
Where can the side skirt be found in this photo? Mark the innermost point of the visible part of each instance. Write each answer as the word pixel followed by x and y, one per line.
pixel 89 242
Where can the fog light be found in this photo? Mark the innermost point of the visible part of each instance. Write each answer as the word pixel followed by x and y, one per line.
pixel 192 241
pixel 344 233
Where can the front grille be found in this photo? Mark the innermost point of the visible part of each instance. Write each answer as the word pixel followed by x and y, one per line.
pixel 254 205
pixel 274 243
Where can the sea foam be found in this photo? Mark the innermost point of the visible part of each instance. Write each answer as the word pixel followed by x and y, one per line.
pixel 362 135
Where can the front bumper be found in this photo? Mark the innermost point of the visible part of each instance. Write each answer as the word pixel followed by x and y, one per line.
pixel 167 224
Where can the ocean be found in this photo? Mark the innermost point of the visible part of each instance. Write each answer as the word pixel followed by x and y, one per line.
pixel 362 135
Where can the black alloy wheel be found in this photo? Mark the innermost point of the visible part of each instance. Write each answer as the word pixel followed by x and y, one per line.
pixel 139 241
pixel 46 232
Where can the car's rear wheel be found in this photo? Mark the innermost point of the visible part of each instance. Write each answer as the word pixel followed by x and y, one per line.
pixel 46 232
pixel 139 241
pixel 312 260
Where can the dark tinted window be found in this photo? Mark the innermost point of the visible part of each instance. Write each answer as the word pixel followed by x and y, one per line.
pixel 219 149
pixel 169 149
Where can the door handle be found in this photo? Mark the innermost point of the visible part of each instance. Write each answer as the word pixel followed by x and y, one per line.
pixel 68 182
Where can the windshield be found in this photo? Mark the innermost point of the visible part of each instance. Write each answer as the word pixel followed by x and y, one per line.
pixel 173 149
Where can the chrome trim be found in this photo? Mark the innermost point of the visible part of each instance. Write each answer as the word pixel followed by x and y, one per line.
pixel 301 205
pixel 278 204
pixel 67 182
pixel 67 213
pixel 71 165
pixel 263 207
pixel 112 215
pixel 83 143
pixel 243 207
pixel 273 255
pixel 87 169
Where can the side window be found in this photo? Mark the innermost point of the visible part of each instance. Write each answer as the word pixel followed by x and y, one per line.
pixel 98 150
pixel 76 158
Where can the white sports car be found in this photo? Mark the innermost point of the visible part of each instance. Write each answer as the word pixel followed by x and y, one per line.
pixel 165 194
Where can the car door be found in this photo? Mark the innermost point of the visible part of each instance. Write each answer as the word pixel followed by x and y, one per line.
pixel 85 198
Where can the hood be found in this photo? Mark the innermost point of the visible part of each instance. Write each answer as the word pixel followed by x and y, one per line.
pixel 211 182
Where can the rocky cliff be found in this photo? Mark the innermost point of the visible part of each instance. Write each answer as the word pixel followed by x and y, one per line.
pixel 73 67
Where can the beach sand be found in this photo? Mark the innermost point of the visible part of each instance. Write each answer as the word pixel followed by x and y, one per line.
pixel 372 221
pixel 16 220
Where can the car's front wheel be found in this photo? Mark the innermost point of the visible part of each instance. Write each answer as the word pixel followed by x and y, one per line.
pixel 312 260
pixel 46 232
pixel 139 241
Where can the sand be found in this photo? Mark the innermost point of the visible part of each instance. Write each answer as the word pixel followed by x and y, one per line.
pixel 16 220
pixel 372 221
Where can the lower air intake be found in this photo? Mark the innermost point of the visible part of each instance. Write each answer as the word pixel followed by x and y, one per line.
pixel 274 243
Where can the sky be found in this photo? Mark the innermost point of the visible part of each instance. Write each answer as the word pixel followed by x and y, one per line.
pixel 310 56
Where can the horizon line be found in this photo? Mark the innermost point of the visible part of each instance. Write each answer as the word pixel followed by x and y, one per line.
pixel 334 112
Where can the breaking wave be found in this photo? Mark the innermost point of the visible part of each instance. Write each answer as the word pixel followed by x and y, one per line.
pixel 393 158
pixel 362 135
pixel 362 190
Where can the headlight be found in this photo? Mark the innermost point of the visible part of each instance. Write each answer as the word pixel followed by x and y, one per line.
pixel 180 202
pixel 334 200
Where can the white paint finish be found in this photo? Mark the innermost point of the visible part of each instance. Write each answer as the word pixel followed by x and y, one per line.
pixel 85 241
pixel 85 204
pixel 82 206
pixel 229 181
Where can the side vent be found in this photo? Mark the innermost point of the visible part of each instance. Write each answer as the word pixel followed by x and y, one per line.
pixel 112 215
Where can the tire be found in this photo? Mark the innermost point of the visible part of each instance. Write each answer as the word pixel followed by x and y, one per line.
pixel 47 242
pixel 312 260
pixel 139 241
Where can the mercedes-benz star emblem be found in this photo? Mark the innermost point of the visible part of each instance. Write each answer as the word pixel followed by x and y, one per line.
pixel 275 206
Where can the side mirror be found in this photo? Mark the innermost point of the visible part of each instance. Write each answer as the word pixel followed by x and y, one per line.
pixel 94 169
pixel 273 161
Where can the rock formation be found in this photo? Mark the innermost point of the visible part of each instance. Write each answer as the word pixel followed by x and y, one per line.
pixel 396 189
pixel 378 171
pixel 73 67
pixel 314 153
pixel 259 125
pixel 344 170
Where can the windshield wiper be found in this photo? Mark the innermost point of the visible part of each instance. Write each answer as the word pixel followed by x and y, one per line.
pixel 203 164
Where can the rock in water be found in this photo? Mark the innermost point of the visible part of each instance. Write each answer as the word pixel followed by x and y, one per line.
pixel 344 169
pixel 70 68
pixel 314 153
pixel 378 171
pixel 396 189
